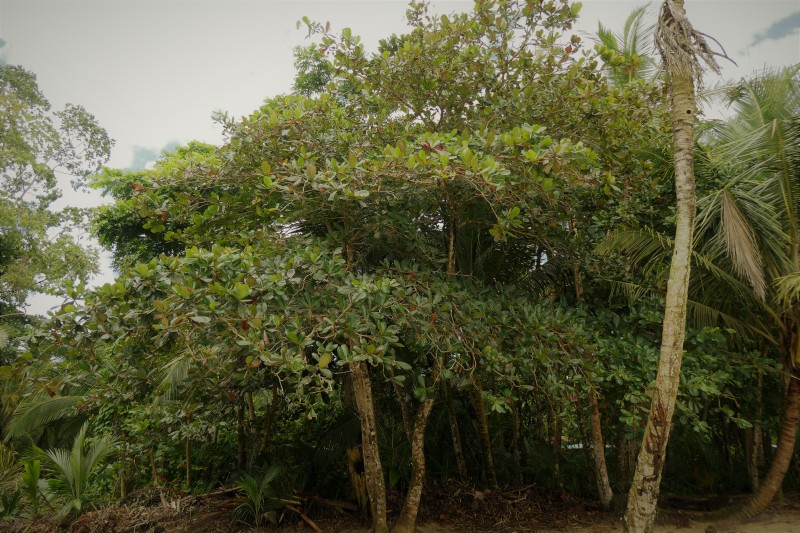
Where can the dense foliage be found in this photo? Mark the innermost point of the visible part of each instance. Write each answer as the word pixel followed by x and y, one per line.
pixel 444 259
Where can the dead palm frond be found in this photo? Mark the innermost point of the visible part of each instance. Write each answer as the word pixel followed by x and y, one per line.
pixel 682 48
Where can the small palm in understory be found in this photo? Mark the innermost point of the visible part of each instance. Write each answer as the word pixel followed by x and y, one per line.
pixel 263 498
pixel 73 470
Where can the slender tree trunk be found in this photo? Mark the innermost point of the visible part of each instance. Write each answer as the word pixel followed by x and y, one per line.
pixel 599 454
pixel 483 430
pixel 153 468
pixel 241 439
pixel 626 464
pixel 643 495
pixel 771 484
pixel 515 443
pixel 376 486
pixel 458 449
pixel 408 427
pixel 754 445
pixel 188 463
pixel 556 434
pixel 269 420
pixel 408 515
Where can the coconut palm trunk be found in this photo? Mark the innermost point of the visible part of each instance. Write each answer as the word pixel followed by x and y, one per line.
pixel 787 436
pixel 679 45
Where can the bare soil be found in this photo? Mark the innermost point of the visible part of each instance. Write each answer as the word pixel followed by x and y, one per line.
pixel 455 508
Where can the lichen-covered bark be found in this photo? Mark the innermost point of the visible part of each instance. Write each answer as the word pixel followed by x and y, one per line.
pixel 643 495
pixel 408 515
pixel 376 486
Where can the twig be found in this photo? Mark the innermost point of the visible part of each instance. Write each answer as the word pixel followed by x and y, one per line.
pixel 306 519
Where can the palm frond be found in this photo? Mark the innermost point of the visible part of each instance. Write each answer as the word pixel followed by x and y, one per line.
pixel 787 289
pixel 174 373
pixel 10 468
pixel 741 245
pixel 72 470
pixel 632 292
pixel 38 411
pixel 644 249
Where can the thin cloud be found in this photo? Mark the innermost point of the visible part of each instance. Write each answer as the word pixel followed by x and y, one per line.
pixel 143 156
pixel 3 60
pixel 779 29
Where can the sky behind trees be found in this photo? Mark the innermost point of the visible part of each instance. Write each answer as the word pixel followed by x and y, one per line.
pixel 153 72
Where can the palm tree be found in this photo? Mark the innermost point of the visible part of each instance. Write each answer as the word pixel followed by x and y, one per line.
pixel 746 273
pixel 681 49
pixel 624 54
pixel 73 469
pixel 753 226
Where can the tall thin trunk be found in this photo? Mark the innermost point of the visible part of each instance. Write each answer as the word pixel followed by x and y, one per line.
pixel 599 454
pixel 376 486
pixel 458 449
pixel 771 484
pixel 483 431
pixel 404 410
pixel 515 438
pixel 556 434
pixel 153 468
pixel 626 463
pixel 408 515
pixel 754 445
pixel 241 439
pixel 676 39
pixel 188 463
pixel 268 421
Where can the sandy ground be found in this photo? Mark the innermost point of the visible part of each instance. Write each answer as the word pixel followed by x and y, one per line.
pixel 770 522
pixel 777 522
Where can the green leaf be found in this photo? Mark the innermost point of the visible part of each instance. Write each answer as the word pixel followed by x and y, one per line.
pixel 241 291
pixel 200 319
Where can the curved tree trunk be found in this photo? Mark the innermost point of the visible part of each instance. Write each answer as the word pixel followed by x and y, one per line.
pixel 787 437
pixel 676 44
pixel 376 486
pixel 408 515
pixel 599 454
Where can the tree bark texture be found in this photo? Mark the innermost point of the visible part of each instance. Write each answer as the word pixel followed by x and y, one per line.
pixel 408 515
pixel 599 454
pixel 376 486
pixel 458 449
pixel 483 430
pixel 643 495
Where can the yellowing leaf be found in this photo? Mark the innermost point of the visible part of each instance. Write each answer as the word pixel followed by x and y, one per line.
pixel 324 360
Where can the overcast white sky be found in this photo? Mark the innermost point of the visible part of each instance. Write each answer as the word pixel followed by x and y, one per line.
pixel 152 72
